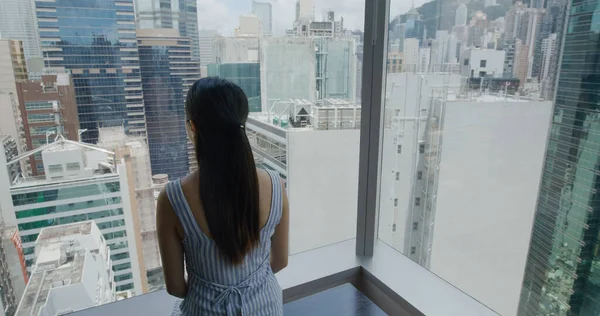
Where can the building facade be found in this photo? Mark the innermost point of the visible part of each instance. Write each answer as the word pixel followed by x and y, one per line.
pixel 264 11
pixel 168 71
pixel 561 275
pixel 81 183
pixel 48 108
pixel 73 269
pixel 165 14
pixel 103 60
pixel 18 21
pixel 245 75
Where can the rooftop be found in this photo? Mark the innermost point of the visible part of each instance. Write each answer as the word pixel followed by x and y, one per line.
pixel 56 233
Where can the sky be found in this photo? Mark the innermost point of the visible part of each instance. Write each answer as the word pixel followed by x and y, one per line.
pixel 222 15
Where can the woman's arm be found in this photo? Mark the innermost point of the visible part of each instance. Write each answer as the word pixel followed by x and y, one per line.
pixel 171 247
pixel 280 239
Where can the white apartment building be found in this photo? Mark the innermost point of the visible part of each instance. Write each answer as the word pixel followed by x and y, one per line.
pixel 456 173
pixel 82 182
pixel 72 271
pixel 479 62
pixel 548 48
pixel 411 54
pixel 314 147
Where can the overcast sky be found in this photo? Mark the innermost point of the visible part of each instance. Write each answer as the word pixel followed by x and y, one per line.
pixel 223 15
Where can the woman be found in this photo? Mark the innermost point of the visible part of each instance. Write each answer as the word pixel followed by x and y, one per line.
pixel 228 219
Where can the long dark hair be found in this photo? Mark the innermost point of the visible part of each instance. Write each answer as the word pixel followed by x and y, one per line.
pixel 228 180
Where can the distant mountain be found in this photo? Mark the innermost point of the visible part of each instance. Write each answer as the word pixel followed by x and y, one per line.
pixel 434 21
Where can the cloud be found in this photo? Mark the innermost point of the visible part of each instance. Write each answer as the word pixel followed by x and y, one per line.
pixel 223 15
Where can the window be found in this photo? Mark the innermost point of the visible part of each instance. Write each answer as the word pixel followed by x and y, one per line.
pixel 397 176
pixel 73 166
pixel 399 149
pixel 482 63
pixel 482 74
pixel 417 201
pixel 466 62
pixel 419 175
pixel 421 148
pixel 55 169
pixel 415 225
pixel 413 250
pixel 395 202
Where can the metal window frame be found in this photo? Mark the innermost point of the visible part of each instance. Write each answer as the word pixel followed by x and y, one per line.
pixel 373 83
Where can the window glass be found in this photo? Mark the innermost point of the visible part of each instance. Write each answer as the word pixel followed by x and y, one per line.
pixel 491 188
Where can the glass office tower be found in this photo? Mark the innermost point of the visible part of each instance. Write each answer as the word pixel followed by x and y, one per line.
pixel 95 41
pixel 245 75
pixel 562 275
pixel 168 72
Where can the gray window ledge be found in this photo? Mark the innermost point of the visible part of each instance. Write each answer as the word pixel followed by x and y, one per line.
pixel 422 289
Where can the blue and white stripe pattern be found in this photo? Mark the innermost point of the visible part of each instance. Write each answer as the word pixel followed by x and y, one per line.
pixel 215 286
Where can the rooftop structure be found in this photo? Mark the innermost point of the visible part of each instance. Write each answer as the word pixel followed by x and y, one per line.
pixel 72 262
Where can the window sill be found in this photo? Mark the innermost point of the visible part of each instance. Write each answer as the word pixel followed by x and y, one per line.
pixel 422 289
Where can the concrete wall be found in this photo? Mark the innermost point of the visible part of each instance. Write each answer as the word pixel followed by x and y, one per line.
pixel 236 50
pixel 490 170
pixel 494 62
pixel 322 186
pixel 287 69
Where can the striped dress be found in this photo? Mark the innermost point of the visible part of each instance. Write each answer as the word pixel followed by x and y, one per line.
pixel 216 287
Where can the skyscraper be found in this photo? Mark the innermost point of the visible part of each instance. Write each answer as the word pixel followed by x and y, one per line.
pixel 461 15
pixel 103 60
pixel 561 275
pixel 168 71
pixel 165 14
pixel 264 12
pixel 18 22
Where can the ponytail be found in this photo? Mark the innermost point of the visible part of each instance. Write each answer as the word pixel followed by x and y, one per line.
pixel 228 178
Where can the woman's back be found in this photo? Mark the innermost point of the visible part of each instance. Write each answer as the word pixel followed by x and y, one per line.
pixel 214 284
pixel 228 220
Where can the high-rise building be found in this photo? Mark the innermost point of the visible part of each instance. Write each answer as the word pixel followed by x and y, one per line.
pixel 48 108
pixel 280 57
pixel 135 154
pixel 249 26
pixel 336 68
pixel 168 71
pixel 82 182
pixel 461 15
pixel 547 49
pixel 264 12
pixel 13 69
pixel 562 267
pixel 207 47
pixel 410 55
pixel 72 271
pixel 165 14
pixel 18 21
pixel 297 135
pixel 431 127
pixel 104 63
pixel 13 272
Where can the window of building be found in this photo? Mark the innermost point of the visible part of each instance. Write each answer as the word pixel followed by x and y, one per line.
pixel 399 151
pixel 73 166
pixel 466 62
pixel 421 148
pixel 397 176
pixel 395 202
pixel 482 74
pixel 419 175
pixel 413 250
pixel 415 225
pixel 55 169
pixel 482 63
pixel 417 201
